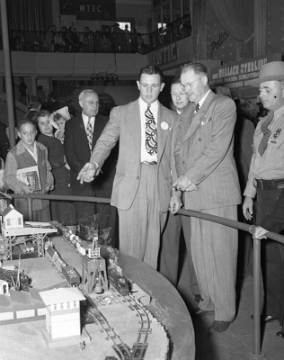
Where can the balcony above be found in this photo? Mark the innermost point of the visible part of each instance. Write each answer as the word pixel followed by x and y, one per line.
pixel 127 66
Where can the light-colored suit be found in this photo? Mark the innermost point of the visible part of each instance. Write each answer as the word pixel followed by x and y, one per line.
pixel 204 153
pixel 125 125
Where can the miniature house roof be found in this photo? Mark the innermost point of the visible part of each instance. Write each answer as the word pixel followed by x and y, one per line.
pixel 61 295
pixel 9 209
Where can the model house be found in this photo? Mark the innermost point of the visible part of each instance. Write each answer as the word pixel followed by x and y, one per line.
pixel 12 218
pixel 62 312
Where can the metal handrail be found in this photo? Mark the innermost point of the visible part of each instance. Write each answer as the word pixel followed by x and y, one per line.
pixel 256 354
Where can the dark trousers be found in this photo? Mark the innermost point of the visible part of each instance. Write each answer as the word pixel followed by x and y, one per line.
pixel 90 214
pixel 175 261
pixel 272 260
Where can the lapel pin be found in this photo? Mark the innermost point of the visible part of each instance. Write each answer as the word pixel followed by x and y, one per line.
pixel 164 125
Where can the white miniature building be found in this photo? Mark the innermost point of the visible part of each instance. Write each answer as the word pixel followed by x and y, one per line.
pixel 12 218
pixel 62 312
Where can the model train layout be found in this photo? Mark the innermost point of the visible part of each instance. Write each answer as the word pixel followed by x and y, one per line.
pixel 100 307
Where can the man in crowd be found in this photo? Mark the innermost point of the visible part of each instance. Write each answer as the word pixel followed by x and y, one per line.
pixel 266 180
pixel 142 184
pixel 207 175
pixel 170 262
pixel 81 135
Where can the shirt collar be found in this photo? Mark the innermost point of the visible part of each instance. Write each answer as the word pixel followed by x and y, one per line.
pixel 86 118
pixel 203 99
pixel 279 111
pixel 144 105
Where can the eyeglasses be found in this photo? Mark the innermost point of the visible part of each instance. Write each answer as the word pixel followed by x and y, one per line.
pixel 190 84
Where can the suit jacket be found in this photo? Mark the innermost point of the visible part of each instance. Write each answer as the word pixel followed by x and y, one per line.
pixel 78 152
pixel 203 151
pixel 125 125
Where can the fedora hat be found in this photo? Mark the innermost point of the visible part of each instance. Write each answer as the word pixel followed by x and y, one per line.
pixel 271 71
pixel 63 112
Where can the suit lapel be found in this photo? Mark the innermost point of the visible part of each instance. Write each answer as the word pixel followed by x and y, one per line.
pixel 194 121
pixel 163 128
pixel 98 128
pixel 134 125
pixel 80 128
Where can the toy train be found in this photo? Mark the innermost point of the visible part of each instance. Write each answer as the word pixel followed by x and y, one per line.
pixel 68 272
pixel 114 273
pixel 16 279
pixel 119 281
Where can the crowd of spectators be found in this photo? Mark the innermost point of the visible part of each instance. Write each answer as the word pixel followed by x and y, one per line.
pixel 109 39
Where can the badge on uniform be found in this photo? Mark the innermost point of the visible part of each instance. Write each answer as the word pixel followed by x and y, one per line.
pixel 277 133
pixel 205 120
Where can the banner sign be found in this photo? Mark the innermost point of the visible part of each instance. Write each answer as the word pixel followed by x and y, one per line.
pixel 237 74
pixel 89 9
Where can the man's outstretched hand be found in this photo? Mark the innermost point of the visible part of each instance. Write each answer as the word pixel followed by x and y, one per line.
pixel 88 172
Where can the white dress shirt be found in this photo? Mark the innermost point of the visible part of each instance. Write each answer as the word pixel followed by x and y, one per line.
pixel 86 119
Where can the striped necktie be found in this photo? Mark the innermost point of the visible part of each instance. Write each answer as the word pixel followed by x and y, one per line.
pixel 90 134
pixel 150 132
pixel 197 107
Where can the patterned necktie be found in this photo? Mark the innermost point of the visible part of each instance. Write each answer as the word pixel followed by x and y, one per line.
pixel 151 132
pixel 266 133
pixel 90 134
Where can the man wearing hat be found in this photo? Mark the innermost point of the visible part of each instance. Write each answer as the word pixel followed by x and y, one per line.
pixel 266 181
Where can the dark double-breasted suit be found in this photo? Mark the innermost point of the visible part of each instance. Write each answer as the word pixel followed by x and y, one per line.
pixel 77 155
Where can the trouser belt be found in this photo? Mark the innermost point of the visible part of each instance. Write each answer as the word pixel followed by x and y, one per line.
pixel 270 184
pixel 149 162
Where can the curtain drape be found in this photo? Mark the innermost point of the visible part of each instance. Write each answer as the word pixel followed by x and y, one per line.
pixel 236 17
pixel 26 15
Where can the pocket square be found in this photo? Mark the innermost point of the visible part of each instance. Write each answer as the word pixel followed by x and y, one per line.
pixel 205 120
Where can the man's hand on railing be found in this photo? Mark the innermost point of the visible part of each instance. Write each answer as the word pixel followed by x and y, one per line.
pixel 88 172
pixel 175 202
pixel 260 232
pixel 248 207
pixel 184 184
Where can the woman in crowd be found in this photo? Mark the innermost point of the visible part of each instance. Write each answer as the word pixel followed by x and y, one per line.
pixel 26 154
pixel 62 211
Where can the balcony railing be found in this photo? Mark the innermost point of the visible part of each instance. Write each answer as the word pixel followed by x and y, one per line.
pixel 99 42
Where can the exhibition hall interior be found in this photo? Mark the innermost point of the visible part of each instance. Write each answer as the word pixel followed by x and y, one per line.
pixel 134 170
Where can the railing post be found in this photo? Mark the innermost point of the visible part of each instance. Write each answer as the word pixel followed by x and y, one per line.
pixel 257 354
pixel 30 209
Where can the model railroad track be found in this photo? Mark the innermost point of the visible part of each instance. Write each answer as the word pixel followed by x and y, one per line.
pixel 140 346
pixel 123 351
pixel 119 346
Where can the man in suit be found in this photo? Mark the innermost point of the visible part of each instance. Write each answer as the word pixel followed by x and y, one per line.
pixel 81 135
pixel 208 178
pixel 179 270
pixel 142 184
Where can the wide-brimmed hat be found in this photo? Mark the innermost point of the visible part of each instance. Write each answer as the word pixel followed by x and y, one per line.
pixel 63 111
pixel 222 90
pixel 271 71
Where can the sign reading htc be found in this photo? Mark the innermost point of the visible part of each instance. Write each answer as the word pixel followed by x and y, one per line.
pixel 89 9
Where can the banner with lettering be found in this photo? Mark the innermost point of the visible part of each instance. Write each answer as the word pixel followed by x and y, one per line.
pixel 89 9
pixel 237 75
